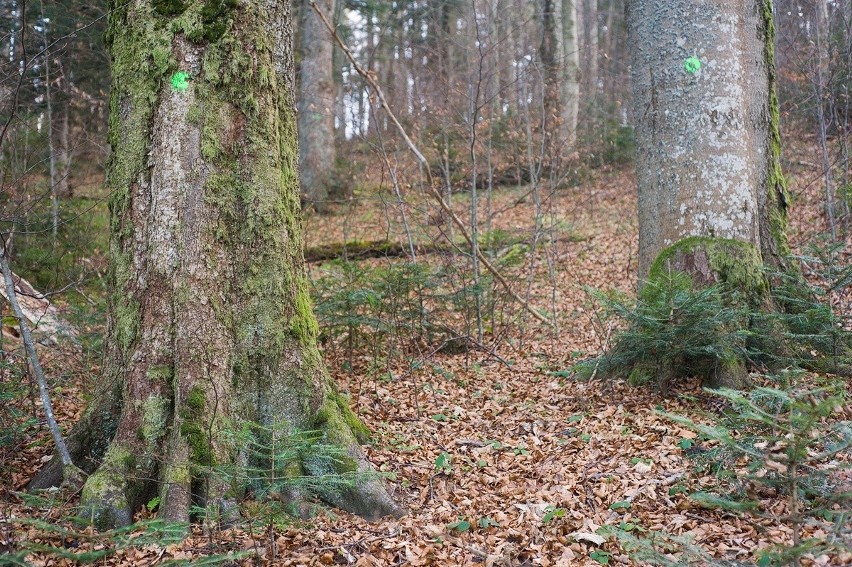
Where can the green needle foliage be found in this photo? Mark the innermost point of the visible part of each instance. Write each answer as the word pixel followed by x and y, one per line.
pixel 278 461
pixel 649 547
pixel 673 329
pixel 772 443
pixel 815 320
pixel 392 307
pixel 671 325
pixel 278 472
pixel 14 422
pixel 784 442
pixel 71 540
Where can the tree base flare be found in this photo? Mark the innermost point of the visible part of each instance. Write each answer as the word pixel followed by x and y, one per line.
pixel 696 316
pixel 122 483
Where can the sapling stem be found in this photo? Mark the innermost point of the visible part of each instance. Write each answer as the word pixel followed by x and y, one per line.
pixel 29 345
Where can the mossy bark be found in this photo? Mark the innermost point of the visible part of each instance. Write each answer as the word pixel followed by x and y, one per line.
pixel 210 319
pixel 712 197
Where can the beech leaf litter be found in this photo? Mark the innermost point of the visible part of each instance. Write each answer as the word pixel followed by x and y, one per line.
pixel 501 456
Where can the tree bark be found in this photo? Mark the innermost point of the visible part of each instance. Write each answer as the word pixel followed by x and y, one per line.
pixel 549 52
pixel 210 320
pixel 62 144
pixel 591 28
pixel 570 83
pixel 712 200
pixel 316 107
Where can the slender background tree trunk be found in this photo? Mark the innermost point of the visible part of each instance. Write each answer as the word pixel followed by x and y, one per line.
pixel 316 107
pixel 570 83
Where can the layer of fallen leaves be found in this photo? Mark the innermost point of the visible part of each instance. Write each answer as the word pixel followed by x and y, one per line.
pixel 499 461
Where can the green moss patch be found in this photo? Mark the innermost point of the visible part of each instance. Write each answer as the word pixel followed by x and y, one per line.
pixel 169 7
pixel 737 265
pixel 336 419
pixel 105 500
pixel 194 431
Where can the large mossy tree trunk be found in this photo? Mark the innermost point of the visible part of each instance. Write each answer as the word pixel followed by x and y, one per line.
pixel 712 200
pixel 316 106
pixel 210 320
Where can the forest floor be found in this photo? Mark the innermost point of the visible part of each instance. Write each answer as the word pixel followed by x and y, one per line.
pixel 499 455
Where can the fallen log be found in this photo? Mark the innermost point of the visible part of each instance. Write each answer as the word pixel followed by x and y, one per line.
pixel 366 249
pixel 39 312
pixel 362 250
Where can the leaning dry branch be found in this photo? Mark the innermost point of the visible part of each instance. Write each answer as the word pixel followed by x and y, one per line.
pixel 371 81
pixel 29 345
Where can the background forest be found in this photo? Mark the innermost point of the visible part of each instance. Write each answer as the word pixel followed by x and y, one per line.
pixel 509 440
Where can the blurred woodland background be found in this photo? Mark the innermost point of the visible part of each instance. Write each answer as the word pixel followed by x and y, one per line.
pixel 521 112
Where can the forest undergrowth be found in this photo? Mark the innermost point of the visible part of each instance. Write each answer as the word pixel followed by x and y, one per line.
pixel 500 454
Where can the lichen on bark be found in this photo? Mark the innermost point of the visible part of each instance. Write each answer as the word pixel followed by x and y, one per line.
pixel 712 196
pixel 211 321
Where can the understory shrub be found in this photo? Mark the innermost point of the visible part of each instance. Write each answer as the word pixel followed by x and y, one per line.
pixel 277 462
pixel 781 444
pixel 274 463
pixel 670 325
pixel 67 539
pixel 388 308
pixel 815 318
pixel 785 443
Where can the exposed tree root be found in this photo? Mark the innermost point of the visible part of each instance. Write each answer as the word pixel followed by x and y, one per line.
pixel 125 479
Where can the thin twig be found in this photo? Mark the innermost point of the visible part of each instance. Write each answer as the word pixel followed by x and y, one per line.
pixel 64 455
pixel 371 81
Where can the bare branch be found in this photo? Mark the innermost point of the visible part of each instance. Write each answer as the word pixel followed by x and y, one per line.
pixel 29 345
pixel 371 81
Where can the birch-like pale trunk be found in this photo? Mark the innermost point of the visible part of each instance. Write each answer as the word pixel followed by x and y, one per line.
pixel 569 92
pixel 591 75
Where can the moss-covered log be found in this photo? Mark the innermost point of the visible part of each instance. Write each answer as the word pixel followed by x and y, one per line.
pixel 210 321
pixel 362 250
